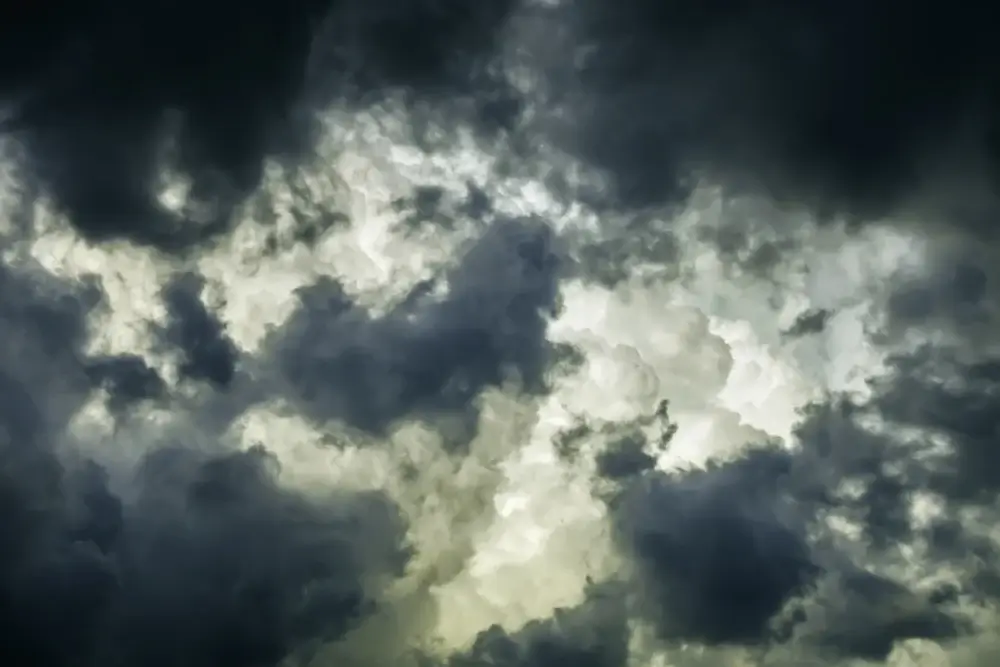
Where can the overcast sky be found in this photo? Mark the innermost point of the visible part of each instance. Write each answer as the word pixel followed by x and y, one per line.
pixel 503 333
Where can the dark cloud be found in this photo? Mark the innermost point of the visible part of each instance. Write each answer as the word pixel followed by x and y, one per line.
pixel 127 379
pixel 43 323
pixel 432 207
pixel 943 396
pixel 851 108
pixel 201 558
pixel 213 563
pixel 242 571
pixel 593 634
pixel 428 48
pixel 954 296
pixel 207 352
pixel 610 259
pixel 430 355
pixel 102 95
pixel 715 557
pixel 866 614
pixel 201 555
pixel 741 552
pixel 811 322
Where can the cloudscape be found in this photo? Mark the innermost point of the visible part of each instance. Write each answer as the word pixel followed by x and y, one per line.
pixel 517 333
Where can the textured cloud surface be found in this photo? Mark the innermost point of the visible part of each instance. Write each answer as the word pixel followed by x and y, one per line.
pixel 455 334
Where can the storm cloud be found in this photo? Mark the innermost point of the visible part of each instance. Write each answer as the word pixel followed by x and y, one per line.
pixel 211 92
pixel 93 575
pixel 853 108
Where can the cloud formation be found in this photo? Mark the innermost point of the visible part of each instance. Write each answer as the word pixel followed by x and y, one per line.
pixel 853 108
pixel 530 390
pixel 430 353
pixel 211 92
pixel 201 558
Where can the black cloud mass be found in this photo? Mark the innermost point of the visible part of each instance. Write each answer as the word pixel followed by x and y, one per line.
pixel 187 550
pixel 844 105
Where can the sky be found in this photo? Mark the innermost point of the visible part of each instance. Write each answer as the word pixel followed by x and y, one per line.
pixel 516 333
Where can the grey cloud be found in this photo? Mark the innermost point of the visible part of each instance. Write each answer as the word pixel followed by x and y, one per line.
pixel 844 107
pixel 592 634
pixel 847 109
pixel 430 354
pixel 204 559
pixel 741 553
pixel 207 352
pixel 103 96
